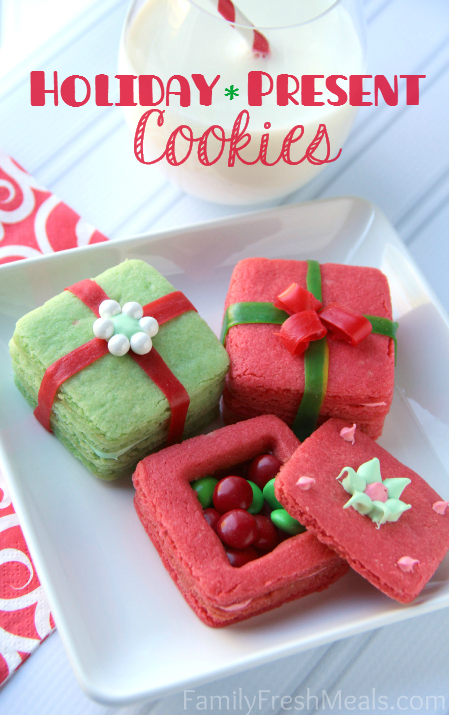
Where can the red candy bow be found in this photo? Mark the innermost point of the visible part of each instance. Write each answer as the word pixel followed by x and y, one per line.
pixel 310 321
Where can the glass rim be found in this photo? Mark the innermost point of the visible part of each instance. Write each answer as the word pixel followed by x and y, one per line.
pixel 269 27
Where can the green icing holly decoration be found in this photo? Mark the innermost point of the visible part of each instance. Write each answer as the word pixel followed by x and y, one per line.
pixel 372 496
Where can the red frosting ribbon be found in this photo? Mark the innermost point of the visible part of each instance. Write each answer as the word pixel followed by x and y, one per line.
pixel 60 371
pixel 90 294
pixel 310 321
pixel 163 309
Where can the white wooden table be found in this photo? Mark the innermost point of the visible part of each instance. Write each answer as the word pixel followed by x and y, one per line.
pixel 396 157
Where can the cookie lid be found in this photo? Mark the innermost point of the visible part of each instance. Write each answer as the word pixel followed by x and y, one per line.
pixel 379 515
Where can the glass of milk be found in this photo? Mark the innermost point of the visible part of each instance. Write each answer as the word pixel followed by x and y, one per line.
pixel 183 37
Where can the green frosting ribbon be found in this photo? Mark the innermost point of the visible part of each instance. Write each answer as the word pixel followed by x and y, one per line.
pixel 385 326
pixel 316 368
pixel 251 312
pixel 316 357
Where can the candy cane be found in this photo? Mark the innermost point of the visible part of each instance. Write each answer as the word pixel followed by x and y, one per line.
pixel 233 15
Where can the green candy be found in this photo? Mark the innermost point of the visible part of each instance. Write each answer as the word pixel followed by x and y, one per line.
pixel 287 523
pixel 205 490
pixel 268 493
pixel 257 502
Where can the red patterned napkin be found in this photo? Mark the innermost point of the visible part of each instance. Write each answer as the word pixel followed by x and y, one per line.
pixel 35 221
pixel 25 618
pixel 32 221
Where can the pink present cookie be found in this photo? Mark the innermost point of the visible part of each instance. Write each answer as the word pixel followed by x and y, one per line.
pixel 376 513
pixel 190 549
pixel 265 378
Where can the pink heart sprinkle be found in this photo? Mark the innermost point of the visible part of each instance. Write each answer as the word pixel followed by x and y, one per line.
pixel 305 483
pixel 406 563
pixel 440 506
pixel 377 492
pixel 348 434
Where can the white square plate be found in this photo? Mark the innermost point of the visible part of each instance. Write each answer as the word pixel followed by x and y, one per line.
pixel 127 630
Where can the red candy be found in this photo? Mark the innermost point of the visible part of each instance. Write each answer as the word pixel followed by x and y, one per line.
pixel 300 329
pixel 263 468
pixel 267 535
pixel 212 517
pixel 245 536
pixel 232 493
pixel 240 558
pixel 345 324
pixel 237 529
pixel 296 299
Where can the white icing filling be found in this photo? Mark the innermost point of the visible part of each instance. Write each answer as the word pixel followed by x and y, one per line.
pixel 373 404
pixel 112 455
pixel 236 606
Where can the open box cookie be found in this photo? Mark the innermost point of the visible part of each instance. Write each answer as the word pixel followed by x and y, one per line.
pixel 168 507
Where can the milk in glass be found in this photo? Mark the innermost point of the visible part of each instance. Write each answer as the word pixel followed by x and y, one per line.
pixel 306 37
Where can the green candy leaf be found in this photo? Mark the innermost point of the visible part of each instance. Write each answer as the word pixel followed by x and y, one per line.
pixel 396 486
pixel 360 502
pixel 379 512
pixel 396 508
pixel 353 482
pixel 370 471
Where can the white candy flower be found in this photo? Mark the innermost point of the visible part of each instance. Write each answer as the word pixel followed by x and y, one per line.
pixel 118 345
pixel 133 309
pixel 108 308
pixel 125 328
pixel 104 328
pixel 149 325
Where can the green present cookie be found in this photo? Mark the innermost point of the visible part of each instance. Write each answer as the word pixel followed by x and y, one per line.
pixel 111 413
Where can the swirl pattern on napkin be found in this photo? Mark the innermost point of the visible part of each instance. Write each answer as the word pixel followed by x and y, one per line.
pixel 34 221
